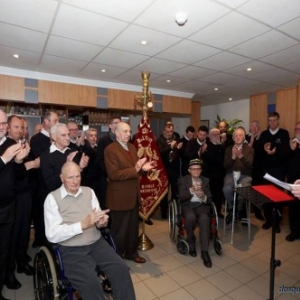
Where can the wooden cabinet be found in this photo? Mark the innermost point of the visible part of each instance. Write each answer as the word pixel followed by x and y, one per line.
pixel 177 105
pixel 66 94
pixel 118 99
pixel 286 106
pixel 259 109
pixel 12 88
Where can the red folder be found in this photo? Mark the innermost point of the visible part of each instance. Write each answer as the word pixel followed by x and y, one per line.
pixel 273 193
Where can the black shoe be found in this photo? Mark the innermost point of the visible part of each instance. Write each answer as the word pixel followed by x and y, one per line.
pixel 228 218
pixel 292 236
pixel 259 216
pixel 193 252
pixel 27 269
pixel 2 298
pixel 266 225
pixel 12 283
pixel 149 222
pixel 206 259
pixel 277 229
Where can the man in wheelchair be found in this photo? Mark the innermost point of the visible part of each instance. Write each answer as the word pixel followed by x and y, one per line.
pixel 72 219
pixel 195 199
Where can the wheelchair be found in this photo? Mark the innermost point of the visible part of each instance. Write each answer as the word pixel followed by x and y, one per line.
pixel 50 282
pixel 177 230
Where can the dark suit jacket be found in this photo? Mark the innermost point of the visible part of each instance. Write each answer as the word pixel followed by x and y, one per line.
pixel 185 183
pixel 123 186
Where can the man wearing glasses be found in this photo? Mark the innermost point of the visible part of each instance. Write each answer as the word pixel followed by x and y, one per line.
pixel 195 197
pixel 123 192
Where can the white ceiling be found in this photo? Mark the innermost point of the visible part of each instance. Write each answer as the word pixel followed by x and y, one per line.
pixel 221 39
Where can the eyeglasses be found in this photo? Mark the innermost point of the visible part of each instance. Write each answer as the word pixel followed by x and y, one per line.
pixel 3 124
pixel 70 178
pixel 195 169
pixel 125 131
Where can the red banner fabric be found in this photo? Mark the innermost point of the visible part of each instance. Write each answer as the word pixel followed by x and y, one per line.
pixel 273 193
pixel 153 184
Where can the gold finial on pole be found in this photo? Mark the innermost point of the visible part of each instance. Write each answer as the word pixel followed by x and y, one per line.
pixel 145 99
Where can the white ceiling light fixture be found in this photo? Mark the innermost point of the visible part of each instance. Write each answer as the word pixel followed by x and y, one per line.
pixel 143 42
pixel 249 69
pixel 16 55
pixel 103 70
pixel 168 80
pixel 181 18
pixel 216 89
pixel 230 99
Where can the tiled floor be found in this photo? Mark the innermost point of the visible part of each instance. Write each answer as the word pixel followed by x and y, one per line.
pixel 241 272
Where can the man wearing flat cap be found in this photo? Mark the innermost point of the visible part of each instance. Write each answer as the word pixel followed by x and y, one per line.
pixel 195 199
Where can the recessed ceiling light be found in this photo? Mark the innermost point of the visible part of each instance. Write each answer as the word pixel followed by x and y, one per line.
pixel 103 70
pixel 144 42
pixel 16 55
pixel 249 69
pixel 230 99
pixel 216 89
pixel 168 80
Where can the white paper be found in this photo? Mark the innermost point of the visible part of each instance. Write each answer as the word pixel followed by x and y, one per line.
pixel 287 186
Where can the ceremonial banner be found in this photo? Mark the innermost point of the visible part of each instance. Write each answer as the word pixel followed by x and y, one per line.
pixel 153 184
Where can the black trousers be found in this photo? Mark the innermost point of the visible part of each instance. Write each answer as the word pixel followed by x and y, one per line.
pixel 197 214
pixel 20 234
pixel 80 264
pixel 6 226
pixel 125 230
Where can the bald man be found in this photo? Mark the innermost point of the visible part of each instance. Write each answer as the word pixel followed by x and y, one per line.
pixel 123 192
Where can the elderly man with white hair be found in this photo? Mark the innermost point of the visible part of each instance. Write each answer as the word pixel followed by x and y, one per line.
pixel 72 219
pixel 238 158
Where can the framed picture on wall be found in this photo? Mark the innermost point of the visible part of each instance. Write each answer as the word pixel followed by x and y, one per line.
pixel 204 123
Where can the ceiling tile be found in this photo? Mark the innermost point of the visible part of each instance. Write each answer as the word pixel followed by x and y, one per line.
pixel 264 44
pixel 271 75
pixel 218 78
pixel 81 25
pixel 22 38
pixel 119 58
pixel 222 61
pixel 292 28
pixel 134 77
pixel 21 13
pixel 284 57
pixel 159 66
pixel 192 72
pixel 256 66
pixel 118 9
pixel 59 65
pixel 232 3
pixel 274 12
pixel 93 71
pixel 27 59
pixel 229 31
pixel 129 40
pixel 72 49
pixel 188 52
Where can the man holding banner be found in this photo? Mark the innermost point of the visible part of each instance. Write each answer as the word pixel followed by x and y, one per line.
pixel 124 169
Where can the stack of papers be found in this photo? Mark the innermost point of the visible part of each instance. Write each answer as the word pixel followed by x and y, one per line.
pixel 287 186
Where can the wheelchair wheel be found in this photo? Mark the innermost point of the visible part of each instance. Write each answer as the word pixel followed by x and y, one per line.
pixel 173 215
pixel 182 247
pixel 45 278
pixel 218 246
